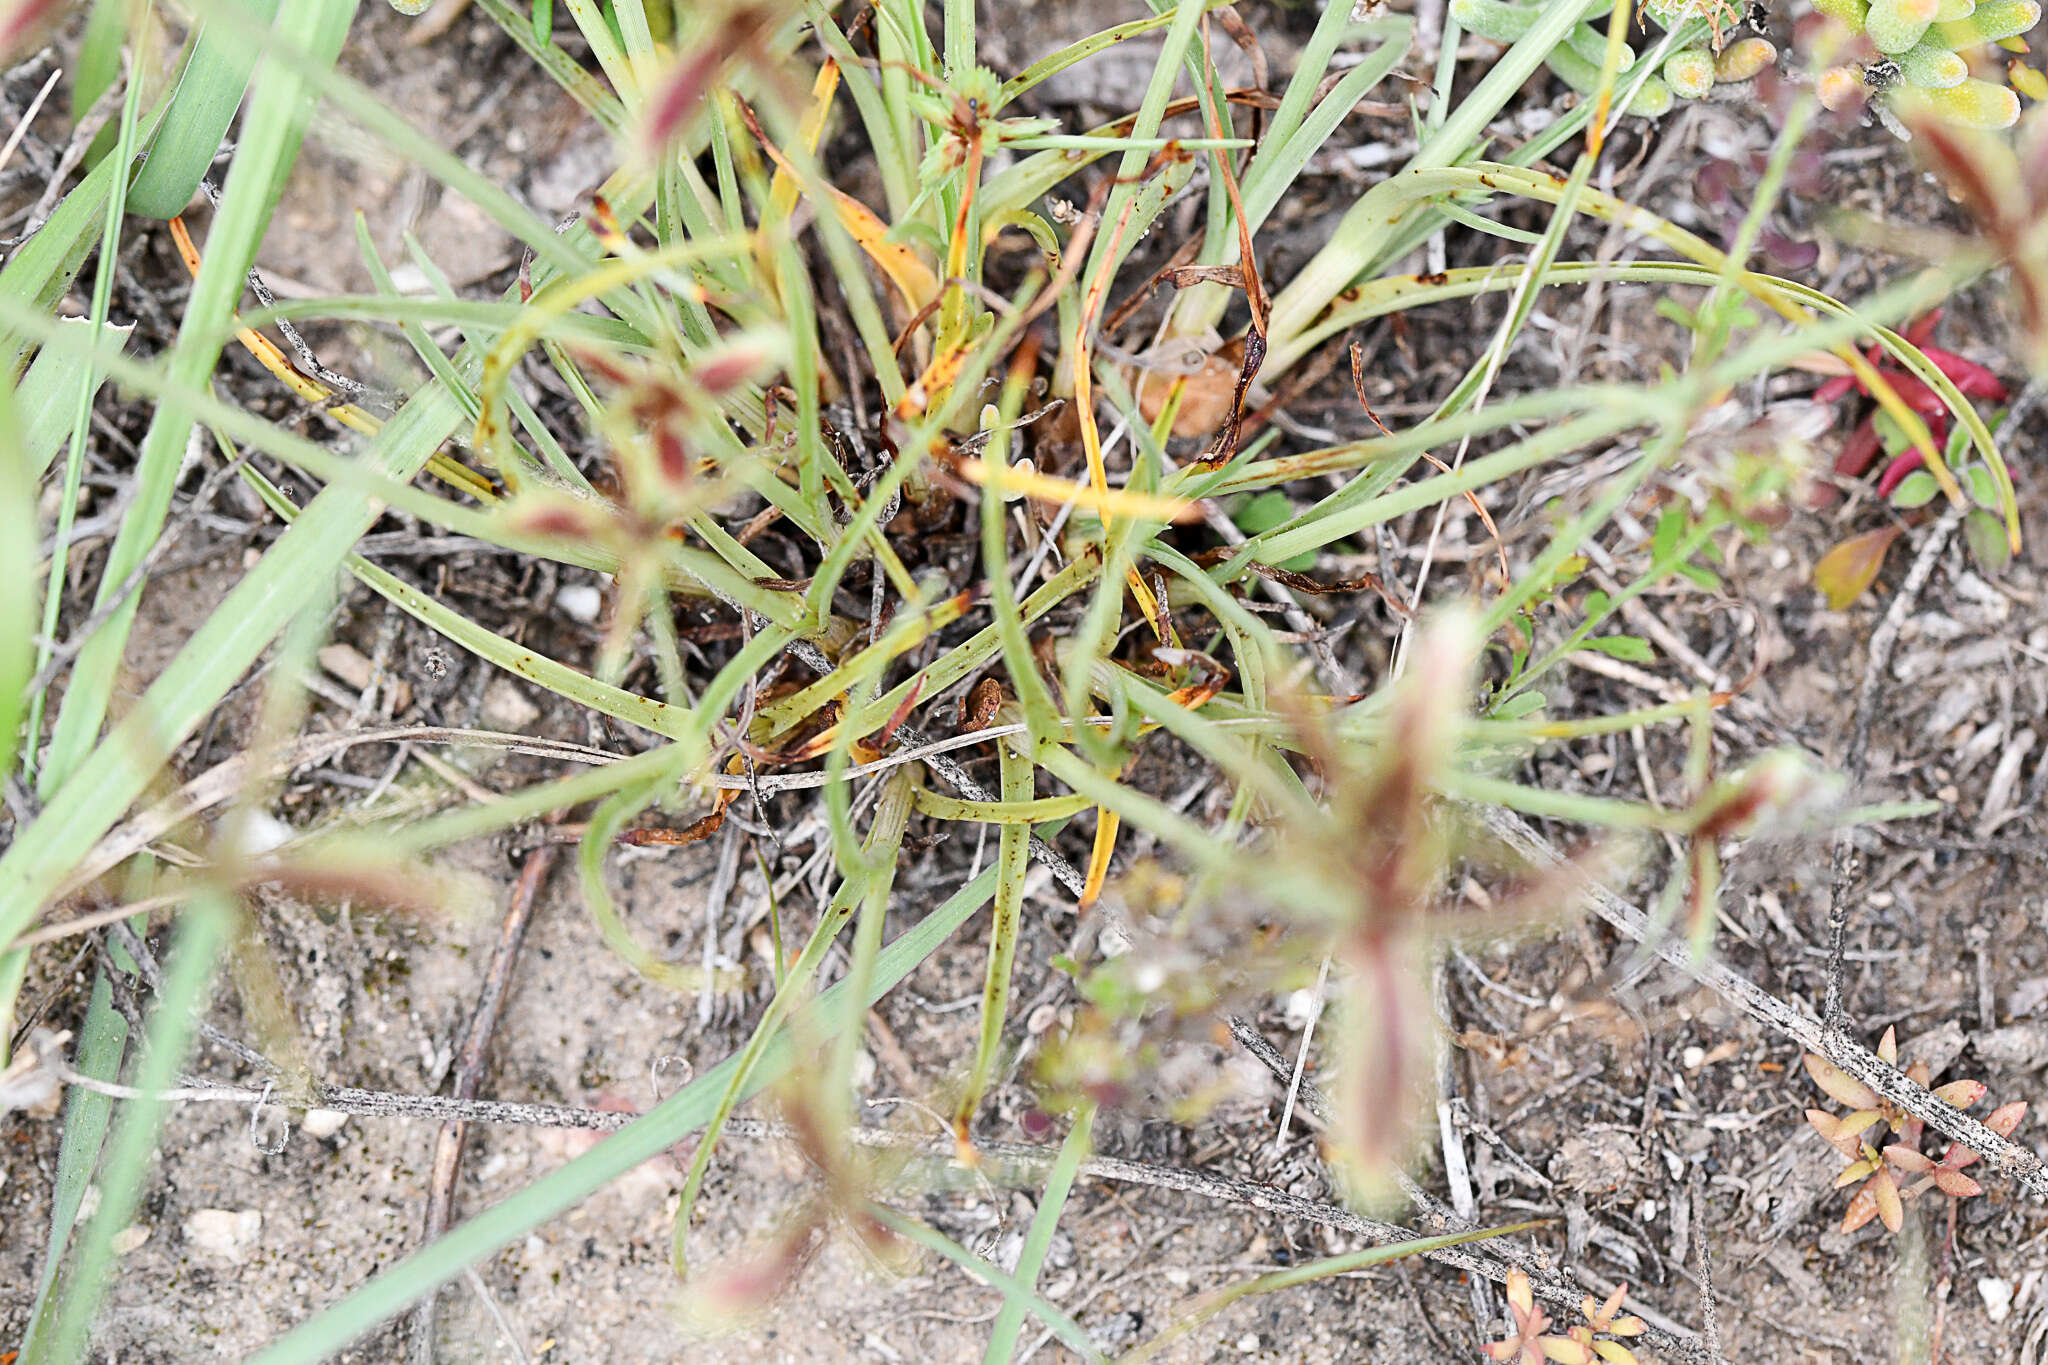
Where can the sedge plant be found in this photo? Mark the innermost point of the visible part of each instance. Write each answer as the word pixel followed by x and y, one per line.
pixel 686 313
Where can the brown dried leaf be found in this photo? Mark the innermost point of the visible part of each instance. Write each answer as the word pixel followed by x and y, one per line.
pixel 1846 572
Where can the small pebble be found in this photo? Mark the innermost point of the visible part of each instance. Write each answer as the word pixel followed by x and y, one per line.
pixel 129 1238
pixel 580 601
pixel 1248 1343
pixel 225 1233
pixel 1300 1008
pixel 1997 1296
pixel 507 707
pixel 323 1123
pixel 1693 1058
pixel 262 832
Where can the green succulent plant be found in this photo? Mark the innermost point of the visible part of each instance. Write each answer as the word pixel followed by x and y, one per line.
pixel 1923 63
pixel 1688 72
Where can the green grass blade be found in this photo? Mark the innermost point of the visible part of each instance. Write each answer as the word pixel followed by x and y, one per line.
pixel 1002 1338
pixel 1045 68
pixel 1014 1291
pixel 120 768
pixel 884 843
pixel 99 55
pixel 1013 862
pixel 84 388
pixel 1215 1303
pixel 278 112
pixel 18 537
pixel 40 271
pixel 44 397
pixel 1365 229
pixel 535 40
pixel 209 91
pixel 202 932
pixel 102 1039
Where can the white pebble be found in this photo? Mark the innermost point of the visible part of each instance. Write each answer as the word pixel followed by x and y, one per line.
pixel 262 832
pixel 1693 1058
pixel 1248 1343
pixel 580 601
pixel 1997 1296
pixel 1300 1008
pixel 506 707
pixel 323 1123
pixel 226 1233
pixel 129 1238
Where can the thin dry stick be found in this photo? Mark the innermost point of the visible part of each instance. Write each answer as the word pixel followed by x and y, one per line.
pixel 1308 1034
pixel 1710 1315
pixel 469 1071
pixel 35 106
pixel 2008 1158
pixel 1842 860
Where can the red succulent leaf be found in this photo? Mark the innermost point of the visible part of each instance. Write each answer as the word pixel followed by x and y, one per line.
pixel 1527 1344
pixel 1879 1198
pixel 1921 328
pixel 1895 473
pixel 1859 450
pixel 1962 1094
pixel 1839 1084
pixel 1606 1317
pixel 1836 389
pixel 1912 391
pixel 1910 1159
pixel 2006 1117
pixel 1854 457
pixel 1831 1130
pixel 1970 378
pixel 1955 1184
